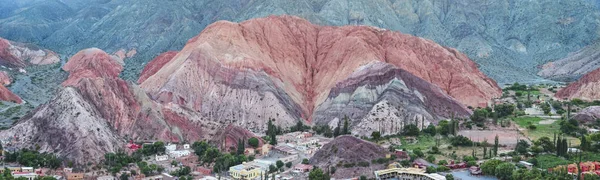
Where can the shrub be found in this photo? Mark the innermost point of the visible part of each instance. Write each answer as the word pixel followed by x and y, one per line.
pixel 461 141
pixel 442 169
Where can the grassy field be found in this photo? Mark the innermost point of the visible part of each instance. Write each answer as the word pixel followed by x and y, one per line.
pixel 424 142
pixel 542 130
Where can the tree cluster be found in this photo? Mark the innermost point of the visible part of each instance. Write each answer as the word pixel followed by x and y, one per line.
pixel 32 158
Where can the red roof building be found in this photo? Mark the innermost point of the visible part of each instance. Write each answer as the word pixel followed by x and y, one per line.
pixel 204 171
pixel 401 154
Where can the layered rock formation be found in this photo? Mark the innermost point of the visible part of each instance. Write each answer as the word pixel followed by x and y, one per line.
pixel 92 114
pixel 285 67
pixel 155 65
pixel 70 126
pixel 586 88
pixel 573 66
pixel 588 115
pixel 500 35
pixel 18 55
pixel 380 97
pixel 348 150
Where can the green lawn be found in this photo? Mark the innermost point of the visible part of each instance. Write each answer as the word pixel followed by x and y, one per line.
pixel 424 142
pixel 526 121
pixel 547 130
pixel 533 93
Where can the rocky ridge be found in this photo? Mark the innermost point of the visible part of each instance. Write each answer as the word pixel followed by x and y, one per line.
pixel 573 66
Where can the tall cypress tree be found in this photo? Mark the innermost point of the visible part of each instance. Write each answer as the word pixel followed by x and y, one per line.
pixel 559 147
pixel 485 152
pixel 496 144
pixel 554 140
pixel 584 143
pixel 565 146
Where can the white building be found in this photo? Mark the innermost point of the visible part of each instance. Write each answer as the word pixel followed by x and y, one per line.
pixel 307 142
pixel 573 150
pixel 178 154
pixel 186 146
pixel 592 131
pixel 27 175
pixel 171 147
pixel 162 157
pixel 106 178
pixel 27 169
pixel 289 158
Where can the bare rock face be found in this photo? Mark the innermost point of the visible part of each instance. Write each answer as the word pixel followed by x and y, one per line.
pixel 573 66
pixel 18 55
pixel 227 140
pixel 69 126
pixel 5 78
pixel 348 150
pixel 285 67
pixel 155 65
pixel 588 115
pixel 7 95
pixel 587 88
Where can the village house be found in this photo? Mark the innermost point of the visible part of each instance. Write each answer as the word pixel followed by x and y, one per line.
pixel 41 171
pixel 75 176
pixel 266 148
pixel 401 155
pixel 106 178
pixel 27 169
pixel 162 157
pixel 170 147
pixel 11 169
pixel 303 167
pixel 308 142
pixel 157 177
pixel 178 154
pixel 186 146
pixel 249 151
pixel 68 170
pixel 285 150
pixel 27 175
pixel 289 158
pixel 245 171
pixel 204 171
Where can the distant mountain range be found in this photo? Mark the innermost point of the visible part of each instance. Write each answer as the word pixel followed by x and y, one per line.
pixel 509 39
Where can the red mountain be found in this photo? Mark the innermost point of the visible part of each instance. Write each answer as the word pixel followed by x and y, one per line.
pixel 19 55
pixel 586 88
pixel 285 68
